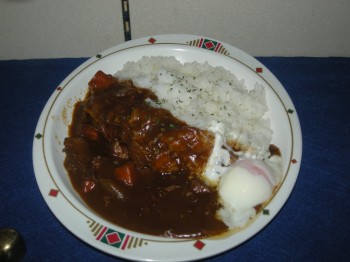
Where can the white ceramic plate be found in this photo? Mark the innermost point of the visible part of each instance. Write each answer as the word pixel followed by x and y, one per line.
pixel 52 128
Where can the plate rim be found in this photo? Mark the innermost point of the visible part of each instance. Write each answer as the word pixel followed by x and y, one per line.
pixel 169 39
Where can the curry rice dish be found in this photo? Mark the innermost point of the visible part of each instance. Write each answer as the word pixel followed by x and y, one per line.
pixel 139 162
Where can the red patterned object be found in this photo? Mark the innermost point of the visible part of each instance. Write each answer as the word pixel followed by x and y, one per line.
pixel 199 244
pixel 259 70
pixel 209 44
pixel 53 192
pixel 152 40
pixel 113 238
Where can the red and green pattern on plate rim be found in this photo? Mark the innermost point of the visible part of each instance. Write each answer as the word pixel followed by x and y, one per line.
pixel 204 43
pixel 124 241
pixel 209 44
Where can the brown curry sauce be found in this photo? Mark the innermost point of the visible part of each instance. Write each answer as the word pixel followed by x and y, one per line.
pixel 137 166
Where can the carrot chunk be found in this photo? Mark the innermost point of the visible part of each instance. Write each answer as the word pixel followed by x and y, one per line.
pixel 126 173
pixel 101 81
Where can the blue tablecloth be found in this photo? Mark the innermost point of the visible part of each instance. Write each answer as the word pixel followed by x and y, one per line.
pixel 314 224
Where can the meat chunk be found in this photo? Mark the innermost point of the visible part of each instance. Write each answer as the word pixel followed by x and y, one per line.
pixel 101 81
pixel 165 143
pixel 78 151
pixel 119 150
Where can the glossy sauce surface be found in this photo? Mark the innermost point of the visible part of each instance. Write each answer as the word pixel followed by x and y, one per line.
pixel 137 166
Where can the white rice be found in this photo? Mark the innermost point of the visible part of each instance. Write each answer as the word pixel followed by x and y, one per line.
pixel 204 96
